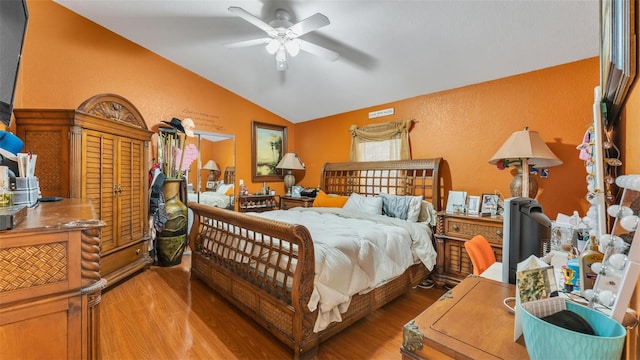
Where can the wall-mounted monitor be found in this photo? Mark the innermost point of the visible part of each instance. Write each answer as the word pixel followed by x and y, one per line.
pixel 13 27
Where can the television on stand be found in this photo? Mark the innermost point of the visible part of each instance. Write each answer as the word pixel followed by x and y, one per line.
pixel 13 27
pixel 526 232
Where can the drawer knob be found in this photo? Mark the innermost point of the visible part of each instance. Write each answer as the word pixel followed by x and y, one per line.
pixel 499 233
pixel 456 227
pixel 137 252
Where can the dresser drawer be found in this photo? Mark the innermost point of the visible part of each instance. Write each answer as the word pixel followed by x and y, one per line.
pixel 467 228
pixel 115 260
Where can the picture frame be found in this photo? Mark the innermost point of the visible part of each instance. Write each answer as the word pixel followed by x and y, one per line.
pixel 489 203
pixel 617 61
pixel 473 205
pixel 456 202
pixel 268 146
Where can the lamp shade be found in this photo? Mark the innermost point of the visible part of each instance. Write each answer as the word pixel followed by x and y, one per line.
pixel 211 165
pixel 290 161
pixel 528 145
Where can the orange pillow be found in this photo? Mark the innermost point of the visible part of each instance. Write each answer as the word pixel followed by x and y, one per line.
pixel 229 191
pixel 324 200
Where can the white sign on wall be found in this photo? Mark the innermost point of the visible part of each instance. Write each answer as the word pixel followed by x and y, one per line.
pixel 381 113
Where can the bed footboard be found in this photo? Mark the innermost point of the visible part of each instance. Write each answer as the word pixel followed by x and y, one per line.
pixel 264 267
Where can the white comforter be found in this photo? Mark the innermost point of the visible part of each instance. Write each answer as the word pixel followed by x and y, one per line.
pixel 355 253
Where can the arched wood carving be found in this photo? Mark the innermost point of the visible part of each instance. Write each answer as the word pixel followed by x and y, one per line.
pixel 115 108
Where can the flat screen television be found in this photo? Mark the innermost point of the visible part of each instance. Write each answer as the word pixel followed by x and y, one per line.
pixel 13 27
pixel 526 232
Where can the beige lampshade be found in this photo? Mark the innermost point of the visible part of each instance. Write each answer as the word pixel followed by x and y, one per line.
pixel 528 145
pixel 210 165
pixel 290 161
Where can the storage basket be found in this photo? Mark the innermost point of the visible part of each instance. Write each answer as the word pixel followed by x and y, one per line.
pixel 548 341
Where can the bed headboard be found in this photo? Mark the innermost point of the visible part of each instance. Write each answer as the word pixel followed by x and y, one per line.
pixel 399 177
pixel 229 175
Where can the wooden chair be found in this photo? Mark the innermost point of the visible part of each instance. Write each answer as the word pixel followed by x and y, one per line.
pixel 481 253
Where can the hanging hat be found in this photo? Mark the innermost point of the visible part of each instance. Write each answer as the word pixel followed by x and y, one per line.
pixel 188 126
pixel 10 143
pixel 8 155
pixel 176 124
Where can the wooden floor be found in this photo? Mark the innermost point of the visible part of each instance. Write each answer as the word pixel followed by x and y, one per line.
pixel 162 313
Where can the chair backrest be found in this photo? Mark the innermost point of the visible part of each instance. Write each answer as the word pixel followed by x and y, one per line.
pixel 481 253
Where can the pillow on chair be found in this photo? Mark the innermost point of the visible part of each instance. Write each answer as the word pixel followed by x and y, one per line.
pixel 481 253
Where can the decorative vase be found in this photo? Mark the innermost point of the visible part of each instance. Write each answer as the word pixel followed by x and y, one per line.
pixel 516 185
pixel 172 240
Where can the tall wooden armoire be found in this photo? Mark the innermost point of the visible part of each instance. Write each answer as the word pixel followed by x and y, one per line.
pixel 99 151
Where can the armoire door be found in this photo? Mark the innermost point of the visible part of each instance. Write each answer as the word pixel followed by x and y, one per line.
pixel 130 199
pixel 99 181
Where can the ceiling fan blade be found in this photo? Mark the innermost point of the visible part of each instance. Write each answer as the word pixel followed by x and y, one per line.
pixel 309 24
pixel 253 20
pixel 246 43
pixel 318 50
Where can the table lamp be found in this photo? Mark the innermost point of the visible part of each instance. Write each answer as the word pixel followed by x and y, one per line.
pixel 289 162
pixel 214 171
pixel 524 149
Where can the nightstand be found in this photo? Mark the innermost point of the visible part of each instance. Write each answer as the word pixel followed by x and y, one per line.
pixel 257 203
pixel 452 230
pixel 288 202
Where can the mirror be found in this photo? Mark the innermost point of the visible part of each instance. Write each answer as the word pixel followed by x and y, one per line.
pixel 617 55
pixel 209 186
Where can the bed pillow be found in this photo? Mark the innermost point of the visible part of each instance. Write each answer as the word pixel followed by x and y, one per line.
pixel 401 207
pixel 325 200
pixel 364 204
pixel 229 191
pixel 222 189
pixel 427 213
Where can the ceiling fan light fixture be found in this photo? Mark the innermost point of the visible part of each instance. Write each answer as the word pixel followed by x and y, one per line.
pixel 281 59
pixel 281 65
pixel 293 47
pixel 273 46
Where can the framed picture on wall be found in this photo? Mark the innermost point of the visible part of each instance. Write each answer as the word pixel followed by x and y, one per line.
pixel 268 146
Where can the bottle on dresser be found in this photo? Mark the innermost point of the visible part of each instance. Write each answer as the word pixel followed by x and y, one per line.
pixel 589 255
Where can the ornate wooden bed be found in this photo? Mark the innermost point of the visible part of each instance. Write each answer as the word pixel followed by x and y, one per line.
pixel 220 237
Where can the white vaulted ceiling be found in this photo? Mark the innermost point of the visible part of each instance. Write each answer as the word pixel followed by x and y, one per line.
pixel 389 49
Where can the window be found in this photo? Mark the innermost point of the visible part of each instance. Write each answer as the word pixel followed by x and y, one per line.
pixel 381 142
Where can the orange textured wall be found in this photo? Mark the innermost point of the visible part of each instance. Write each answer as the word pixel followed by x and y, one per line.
pixel 467 125
pixel 67 59
pixel 630 131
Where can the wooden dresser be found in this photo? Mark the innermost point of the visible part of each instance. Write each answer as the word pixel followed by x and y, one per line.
pixel 50 284
pixel 288 202
pixel 452 230
pixel 100 152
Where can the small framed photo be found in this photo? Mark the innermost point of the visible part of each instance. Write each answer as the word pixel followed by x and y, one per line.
pixel 489 203
pixel 473 205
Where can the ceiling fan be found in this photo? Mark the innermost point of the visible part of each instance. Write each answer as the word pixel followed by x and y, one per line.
pixel 284 36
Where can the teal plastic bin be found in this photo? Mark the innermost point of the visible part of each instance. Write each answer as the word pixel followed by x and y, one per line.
pixel 547 341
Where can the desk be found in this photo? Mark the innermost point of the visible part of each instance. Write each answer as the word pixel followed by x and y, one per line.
pixel 468 322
